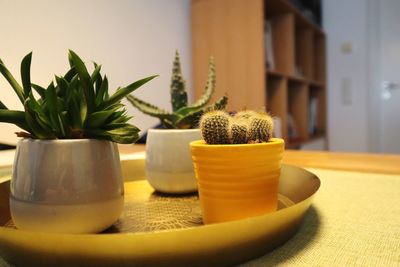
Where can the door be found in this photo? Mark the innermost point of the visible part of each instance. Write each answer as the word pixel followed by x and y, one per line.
pixel 389 65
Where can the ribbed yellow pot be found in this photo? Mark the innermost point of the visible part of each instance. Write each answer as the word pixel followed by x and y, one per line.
pixel 237 181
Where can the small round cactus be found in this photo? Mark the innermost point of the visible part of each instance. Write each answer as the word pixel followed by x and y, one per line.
pixel 260 128
pixel 239 131
pixel 215 126
pixel 246 114
pixel 246 127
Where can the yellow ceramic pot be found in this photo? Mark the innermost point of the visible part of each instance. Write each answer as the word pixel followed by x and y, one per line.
pixel 237 181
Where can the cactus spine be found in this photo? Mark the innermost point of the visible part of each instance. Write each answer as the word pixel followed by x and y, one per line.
pixel 239 131
pixel 245 127
pixel 260 128
pixel 214 127
pixel 246 114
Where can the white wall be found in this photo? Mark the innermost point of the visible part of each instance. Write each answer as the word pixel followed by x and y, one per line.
pixel 346 25
pixel 132 39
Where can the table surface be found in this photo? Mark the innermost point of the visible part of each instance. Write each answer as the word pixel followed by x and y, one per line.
pixel 361 162
pixel 354 219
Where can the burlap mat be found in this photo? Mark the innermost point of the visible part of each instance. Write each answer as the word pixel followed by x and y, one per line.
pixel 354 221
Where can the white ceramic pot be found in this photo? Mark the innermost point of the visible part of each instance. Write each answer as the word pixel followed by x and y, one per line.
pixel 67 186
pixel 169 167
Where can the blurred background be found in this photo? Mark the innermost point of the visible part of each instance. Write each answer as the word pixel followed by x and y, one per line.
pixel 328 70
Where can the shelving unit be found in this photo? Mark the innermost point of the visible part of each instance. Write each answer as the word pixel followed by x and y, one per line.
pixel 233 31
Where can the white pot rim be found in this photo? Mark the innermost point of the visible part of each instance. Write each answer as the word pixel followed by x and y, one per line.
pixel 173 130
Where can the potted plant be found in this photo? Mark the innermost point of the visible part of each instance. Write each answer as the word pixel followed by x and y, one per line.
pixel 66 173
pixel 169 168
pixel 237 165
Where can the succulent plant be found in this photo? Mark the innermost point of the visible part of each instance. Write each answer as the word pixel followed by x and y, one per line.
pixel 76 105
pixel 246 127
pixel 183 116
pixel 215 126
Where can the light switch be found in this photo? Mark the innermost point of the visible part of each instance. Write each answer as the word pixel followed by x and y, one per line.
pixel 347 95
pixel 347 48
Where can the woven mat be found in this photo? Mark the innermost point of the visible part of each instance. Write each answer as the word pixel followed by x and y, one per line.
pixel 354 221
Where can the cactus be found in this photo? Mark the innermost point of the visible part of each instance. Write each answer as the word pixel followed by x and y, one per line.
pixel 178 92
pixel 246 114
pixel 260 128
pixel 246 127
pixel 183 116
pixel 239 131
pixel 215 126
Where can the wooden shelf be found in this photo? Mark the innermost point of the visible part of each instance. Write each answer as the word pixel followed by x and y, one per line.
pixel 276 74
pixel 273 7
pixel 279 74
pixel 316 84
pixel 297 79
pixel 293 144
pixel 293 87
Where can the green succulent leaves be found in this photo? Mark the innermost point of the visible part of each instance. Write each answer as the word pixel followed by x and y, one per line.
pixel 183 116
pixel 76 105
pixel 178 92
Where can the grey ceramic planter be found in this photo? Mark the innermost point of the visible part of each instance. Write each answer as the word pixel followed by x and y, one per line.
pixel 66 186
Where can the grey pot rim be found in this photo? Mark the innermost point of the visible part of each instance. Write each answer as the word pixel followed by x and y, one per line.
pixel 54 141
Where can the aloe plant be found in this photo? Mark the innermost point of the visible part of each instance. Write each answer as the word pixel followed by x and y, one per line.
pixel 183 116
pixel 76 105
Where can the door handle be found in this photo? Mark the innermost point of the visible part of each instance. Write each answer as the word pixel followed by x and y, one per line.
pixel 387 88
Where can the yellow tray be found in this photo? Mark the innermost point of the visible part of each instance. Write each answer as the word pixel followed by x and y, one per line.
pixel 162 230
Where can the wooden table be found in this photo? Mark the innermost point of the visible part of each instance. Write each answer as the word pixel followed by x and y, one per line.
pixel 360 162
